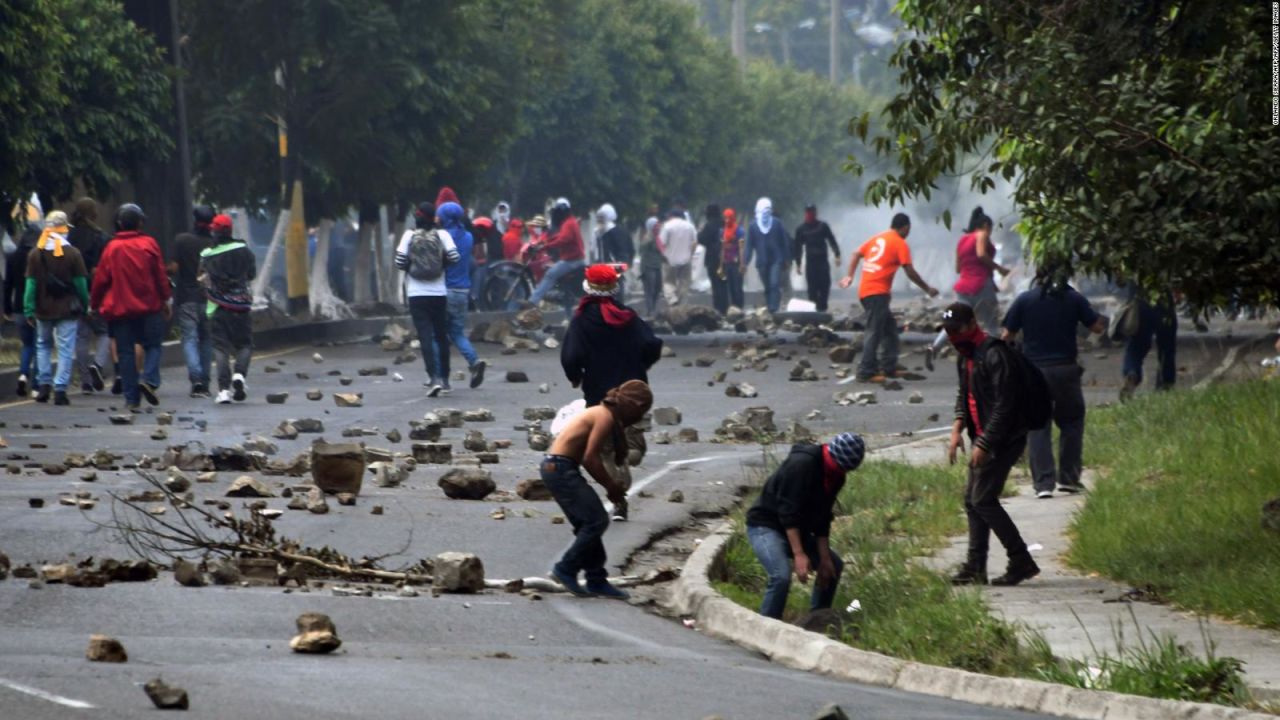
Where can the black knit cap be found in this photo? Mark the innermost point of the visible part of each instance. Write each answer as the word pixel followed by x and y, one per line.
pixel 956 315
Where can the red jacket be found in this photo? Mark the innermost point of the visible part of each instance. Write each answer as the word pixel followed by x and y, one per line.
pixel 130 279
pixel 568 240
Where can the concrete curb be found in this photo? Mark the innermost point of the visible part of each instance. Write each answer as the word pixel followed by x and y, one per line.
pixel 692 596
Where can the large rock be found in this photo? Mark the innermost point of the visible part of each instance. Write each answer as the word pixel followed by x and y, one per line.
pixel 538 441
pixel 260 444
pixel 478 415
pixel 432 453
pixel 103 648
pixel 842 354
pixel 166 697
pixel 458 572
pixel 285 431
pixel 424 431
pixel 467 484
pixel 386 474
pixel 667 416
pixel 191 456
pixel 474 441
pixel 685 319
pixel 533 490
pixel 308 425
pixel 740 390
pixel 188 574
pixel 233 458
pixel 542 412
pixel 338 467
pixel 760 419
pixel 348 400
pixel 249 486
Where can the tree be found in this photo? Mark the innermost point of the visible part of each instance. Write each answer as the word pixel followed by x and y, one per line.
pixel 1137 134
pixel 85 90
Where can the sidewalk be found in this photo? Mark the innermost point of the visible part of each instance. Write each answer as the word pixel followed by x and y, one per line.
pixel 1076 612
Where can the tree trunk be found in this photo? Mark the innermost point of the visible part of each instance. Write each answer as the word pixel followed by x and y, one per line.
pixel 262 282
pixel 785 36
pixel 362 264
pixel 324 304
pixel 738 31
pixel 834 60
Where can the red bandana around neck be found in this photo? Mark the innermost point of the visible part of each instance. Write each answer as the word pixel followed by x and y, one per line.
pixel 614 315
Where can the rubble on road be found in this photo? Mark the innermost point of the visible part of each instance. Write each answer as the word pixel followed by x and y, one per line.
pixel 432 453
pixel 285 431
pixel 188 574
pixel 338 467
pixel 533 490
pixel 467 484
pixel 166 697
pixel 517 376
pixel 348 400
pixel 685 319
pixel 248 486
pixel 104 648
pixel 667 416
pixel 477 415
pixel 277 398
pixel 676 496
pixel 740 390
pixel 457 572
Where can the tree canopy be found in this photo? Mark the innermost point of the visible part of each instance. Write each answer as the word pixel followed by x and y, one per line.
pixel 1138 134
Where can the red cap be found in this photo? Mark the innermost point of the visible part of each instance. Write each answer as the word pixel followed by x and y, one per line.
pixel 221 224
pixel 483 222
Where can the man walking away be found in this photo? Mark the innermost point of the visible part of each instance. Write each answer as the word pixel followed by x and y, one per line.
pixel 731 265
pixel 613 243
pixel 606 345
pixel 812 238
pixel 987 409
pixel 1160 320
pixel 15 273
pixel 767 242
pixel 651 262
pixel 56 294
pixel 580 445
pixel 229 267
pixel 93 345
pixel 189 299
pixel 884 253
pixel 422 255
pixel 678 239
pixel 789 527
pixel 709 237
pixel 1047 316
pixel 131 292
pixel 457 279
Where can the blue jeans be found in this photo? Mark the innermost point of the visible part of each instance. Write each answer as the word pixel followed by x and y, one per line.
pixel 457 309
pixel 197 345
pixel 1161 322
pixel 584 511
pixel 26 333
pixel 63 332
pixel 554 273
pixel 880 347
pixel 771 278
pixel 774 553
pixel 147 331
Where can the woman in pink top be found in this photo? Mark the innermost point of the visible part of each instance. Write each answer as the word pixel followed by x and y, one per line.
pixel 976 264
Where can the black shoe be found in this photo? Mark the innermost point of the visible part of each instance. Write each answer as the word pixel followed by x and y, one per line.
pixel 22 386
pixel 44 393
pixel 200 391
pixel 620 511
pixel 117 386
pixel 148 393
pixel 477 373
pixel 1072 489
pixel 969 576
pixel 1017 572
pixel 86 388
pixel 95 376
pixel 60 398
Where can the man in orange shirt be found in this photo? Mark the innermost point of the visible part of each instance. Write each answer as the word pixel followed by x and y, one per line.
pixel 884 253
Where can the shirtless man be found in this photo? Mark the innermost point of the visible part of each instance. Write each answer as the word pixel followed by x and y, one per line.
pixel 579 444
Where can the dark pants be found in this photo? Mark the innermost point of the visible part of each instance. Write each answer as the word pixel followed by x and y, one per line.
pixel 651 278
pixel 1068 415
pixel 1160 321
pixel 232 338
pixel 771 276
pixel 719 290
pixel 147 331
pixel 431 319
pixel 27 357
pixel 585 512
pixel 733 284
pixel 986 514
pixel 817 276
pixel 880 347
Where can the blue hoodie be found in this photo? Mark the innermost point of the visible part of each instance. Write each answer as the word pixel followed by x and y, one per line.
pixel 458 275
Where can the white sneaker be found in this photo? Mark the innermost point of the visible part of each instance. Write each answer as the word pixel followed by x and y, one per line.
pixel 238 384
pixel 224 397
pixel 1044 494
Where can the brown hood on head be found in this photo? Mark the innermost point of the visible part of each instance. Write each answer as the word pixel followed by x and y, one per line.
pixel 628 403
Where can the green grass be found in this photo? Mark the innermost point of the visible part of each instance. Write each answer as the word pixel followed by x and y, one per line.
pixel 1183 476
pixel 889 514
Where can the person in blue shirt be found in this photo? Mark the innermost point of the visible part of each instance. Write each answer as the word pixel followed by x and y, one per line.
pixel 767 242
pixel 1047 315
pixel 457 279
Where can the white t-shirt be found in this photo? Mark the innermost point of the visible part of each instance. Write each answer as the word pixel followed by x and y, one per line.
pixel 679 238
pixel 425 288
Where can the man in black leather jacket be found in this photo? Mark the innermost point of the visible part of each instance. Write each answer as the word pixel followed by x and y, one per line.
pixel 987 409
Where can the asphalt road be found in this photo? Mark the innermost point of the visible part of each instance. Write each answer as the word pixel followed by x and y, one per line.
pixel 424 656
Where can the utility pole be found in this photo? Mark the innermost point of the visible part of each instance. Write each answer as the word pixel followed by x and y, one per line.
pixel 738 32
pixel 833 68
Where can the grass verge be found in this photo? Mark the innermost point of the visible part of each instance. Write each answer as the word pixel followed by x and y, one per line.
pixel 889 515
pixel 1178 506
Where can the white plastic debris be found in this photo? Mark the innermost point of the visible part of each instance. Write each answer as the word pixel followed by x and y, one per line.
pixel 855 606
pixel 1035 547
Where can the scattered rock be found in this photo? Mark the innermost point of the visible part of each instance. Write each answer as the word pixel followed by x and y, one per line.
pixel 260 444
pixel 177 482
pixel 188 574
pixel 448 417
pixel 760 419
pixel 433 453
pixel 467 484
pixel 687 435
pixel 542 412
pixel 544 389
pixel 226 572
pixel 704 361
pixel 373 371
pixel 347 499
pixel 57 573
pixel 317 358
pixel 740 390
pixel 164 419
pixel 457 572
pixel 54 469
pixel 676 496
pixel 474 441
pixel 685 319
pixel 35 503
pixel 207 477
pixel 348 400
pixel 662 437
pixel 423 430
pixel 892 385
pixel 916 398
pixel 830 711
pixel 121 419
pixel 104 648
pixel 277 398
pixel 517 376
pixel 478 415
pixel 666 416
pixel 314 394
pixel 308 425
pixel 386 474
pixel 533 490
pixel 315 501
pixel 842 354
pixel 248 486
pixel 338 467
pixel 166 697
pixel 285 431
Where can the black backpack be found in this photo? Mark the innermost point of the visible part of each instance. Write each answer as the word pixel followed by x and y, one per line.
pixel 1035 404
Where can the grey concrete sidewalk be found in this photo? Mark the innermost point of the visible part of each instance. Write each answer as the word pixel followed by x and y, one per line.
pixel 1079 613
